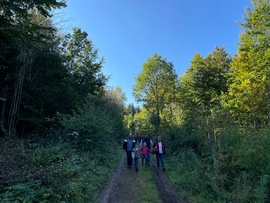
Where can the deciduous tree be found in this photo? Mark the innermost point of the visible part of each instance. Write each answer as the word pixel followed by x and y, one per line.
pixel 248 98
pixel 156 86
pixel 200 88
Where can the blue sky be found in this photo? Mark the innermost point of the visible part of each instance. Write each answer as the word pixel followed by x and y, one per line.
pixel 128 32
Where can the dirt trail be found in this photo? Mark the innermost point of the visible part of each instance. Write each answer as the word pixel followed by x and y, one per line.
pixel 120 186
pixel 168 191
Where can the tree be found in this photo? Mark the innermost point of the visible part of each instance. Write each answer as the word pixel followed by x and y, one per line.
pixel 210 81
pixel 142 122
pixel 114 105
pixel 16 19
pixel 45 92
pixel 20 36
pixel 155 86
pixel 248 98
pixel 200 88
pixel 81 60
pixel 186 95
pixel 115 102
pixel 130 109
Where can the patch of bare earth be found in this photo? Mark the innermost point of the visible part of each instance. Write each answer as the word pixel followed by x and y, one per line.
pixel 168 191
pixel 120 187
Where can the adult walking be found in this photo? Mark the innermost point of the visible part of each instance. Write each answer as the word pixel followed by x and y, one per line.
pixel 160 150
pixel 128 146
pixel 149 144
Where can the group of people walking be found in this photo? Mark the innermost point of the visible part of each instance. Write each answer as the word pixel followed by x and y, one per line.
pixel 136 148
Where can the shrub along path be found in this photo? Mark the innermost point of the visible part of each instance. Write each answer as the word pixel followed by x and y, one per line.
pixel 147 185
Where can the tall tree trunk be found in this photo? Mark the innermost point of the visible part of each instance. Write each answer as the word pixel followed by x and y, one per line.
pixel 2 118
pixel 15 104
pixel 24 59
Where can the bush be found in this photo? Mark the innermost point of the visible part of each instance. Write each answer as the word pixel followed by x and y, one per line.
pixel 43 156
pixel 234 169
pixel 28 192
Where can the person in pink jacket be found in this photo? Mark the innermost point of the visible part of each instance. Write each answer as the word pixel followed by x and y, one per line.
pixel 144 152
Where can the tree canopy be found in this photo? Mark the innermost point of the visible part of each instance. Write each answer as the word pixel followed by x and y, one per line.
pixel 155 86
pixel 248 97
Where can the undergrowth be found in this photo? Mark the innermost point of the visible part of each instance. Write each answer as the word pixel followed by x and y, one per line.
pixel 52 172
pixel 234 168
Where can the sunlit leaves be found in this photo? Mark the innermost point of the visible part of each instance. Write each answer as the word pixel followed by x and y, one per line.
pixel 156 85
pixel 248 97
pixel 203 83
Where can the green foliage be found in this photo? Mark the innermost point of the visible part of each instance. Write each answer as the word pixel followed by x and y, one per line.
pixel 234 169
pixel 209 81
pixel 231 163
pixel 248 95
pixel 156 86
pixel 200 90
pixel 85 70
pixel 253 153
pixel 185 138
pixel 71 165
pixel 186 170
pixel 31 191
pixel 113 103
pixel 89 128
pixel 142 122
pixel 209 157
pixel 135 119
pixel 56 171
pixel 31 66
pixel 36 82
pixel 44 156
pixel 16 21
pixel 46 85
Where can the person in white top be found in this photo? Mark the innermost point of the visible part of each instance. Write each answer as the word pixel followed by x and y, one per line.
pixel 160 150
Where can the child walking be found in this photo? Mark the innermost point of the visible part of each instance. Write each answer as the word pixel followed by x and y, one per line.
pixel 144 151
pixel 136 157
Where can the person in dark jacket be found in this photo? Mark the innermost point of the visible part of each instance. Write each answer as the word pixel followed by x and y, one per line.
pixel 128 146
pixel 160 150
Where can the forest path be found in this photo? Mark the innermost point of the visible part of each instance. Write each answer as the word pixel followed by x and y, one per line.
pixel 121 187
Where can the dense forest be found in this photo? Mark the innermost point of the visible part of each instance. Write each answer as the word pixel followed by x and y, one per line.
pixel 61 127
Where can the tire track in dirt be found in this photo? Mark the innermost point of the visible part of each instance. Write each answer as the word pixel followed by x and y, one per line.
pixel 120 187
pixel 168 191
